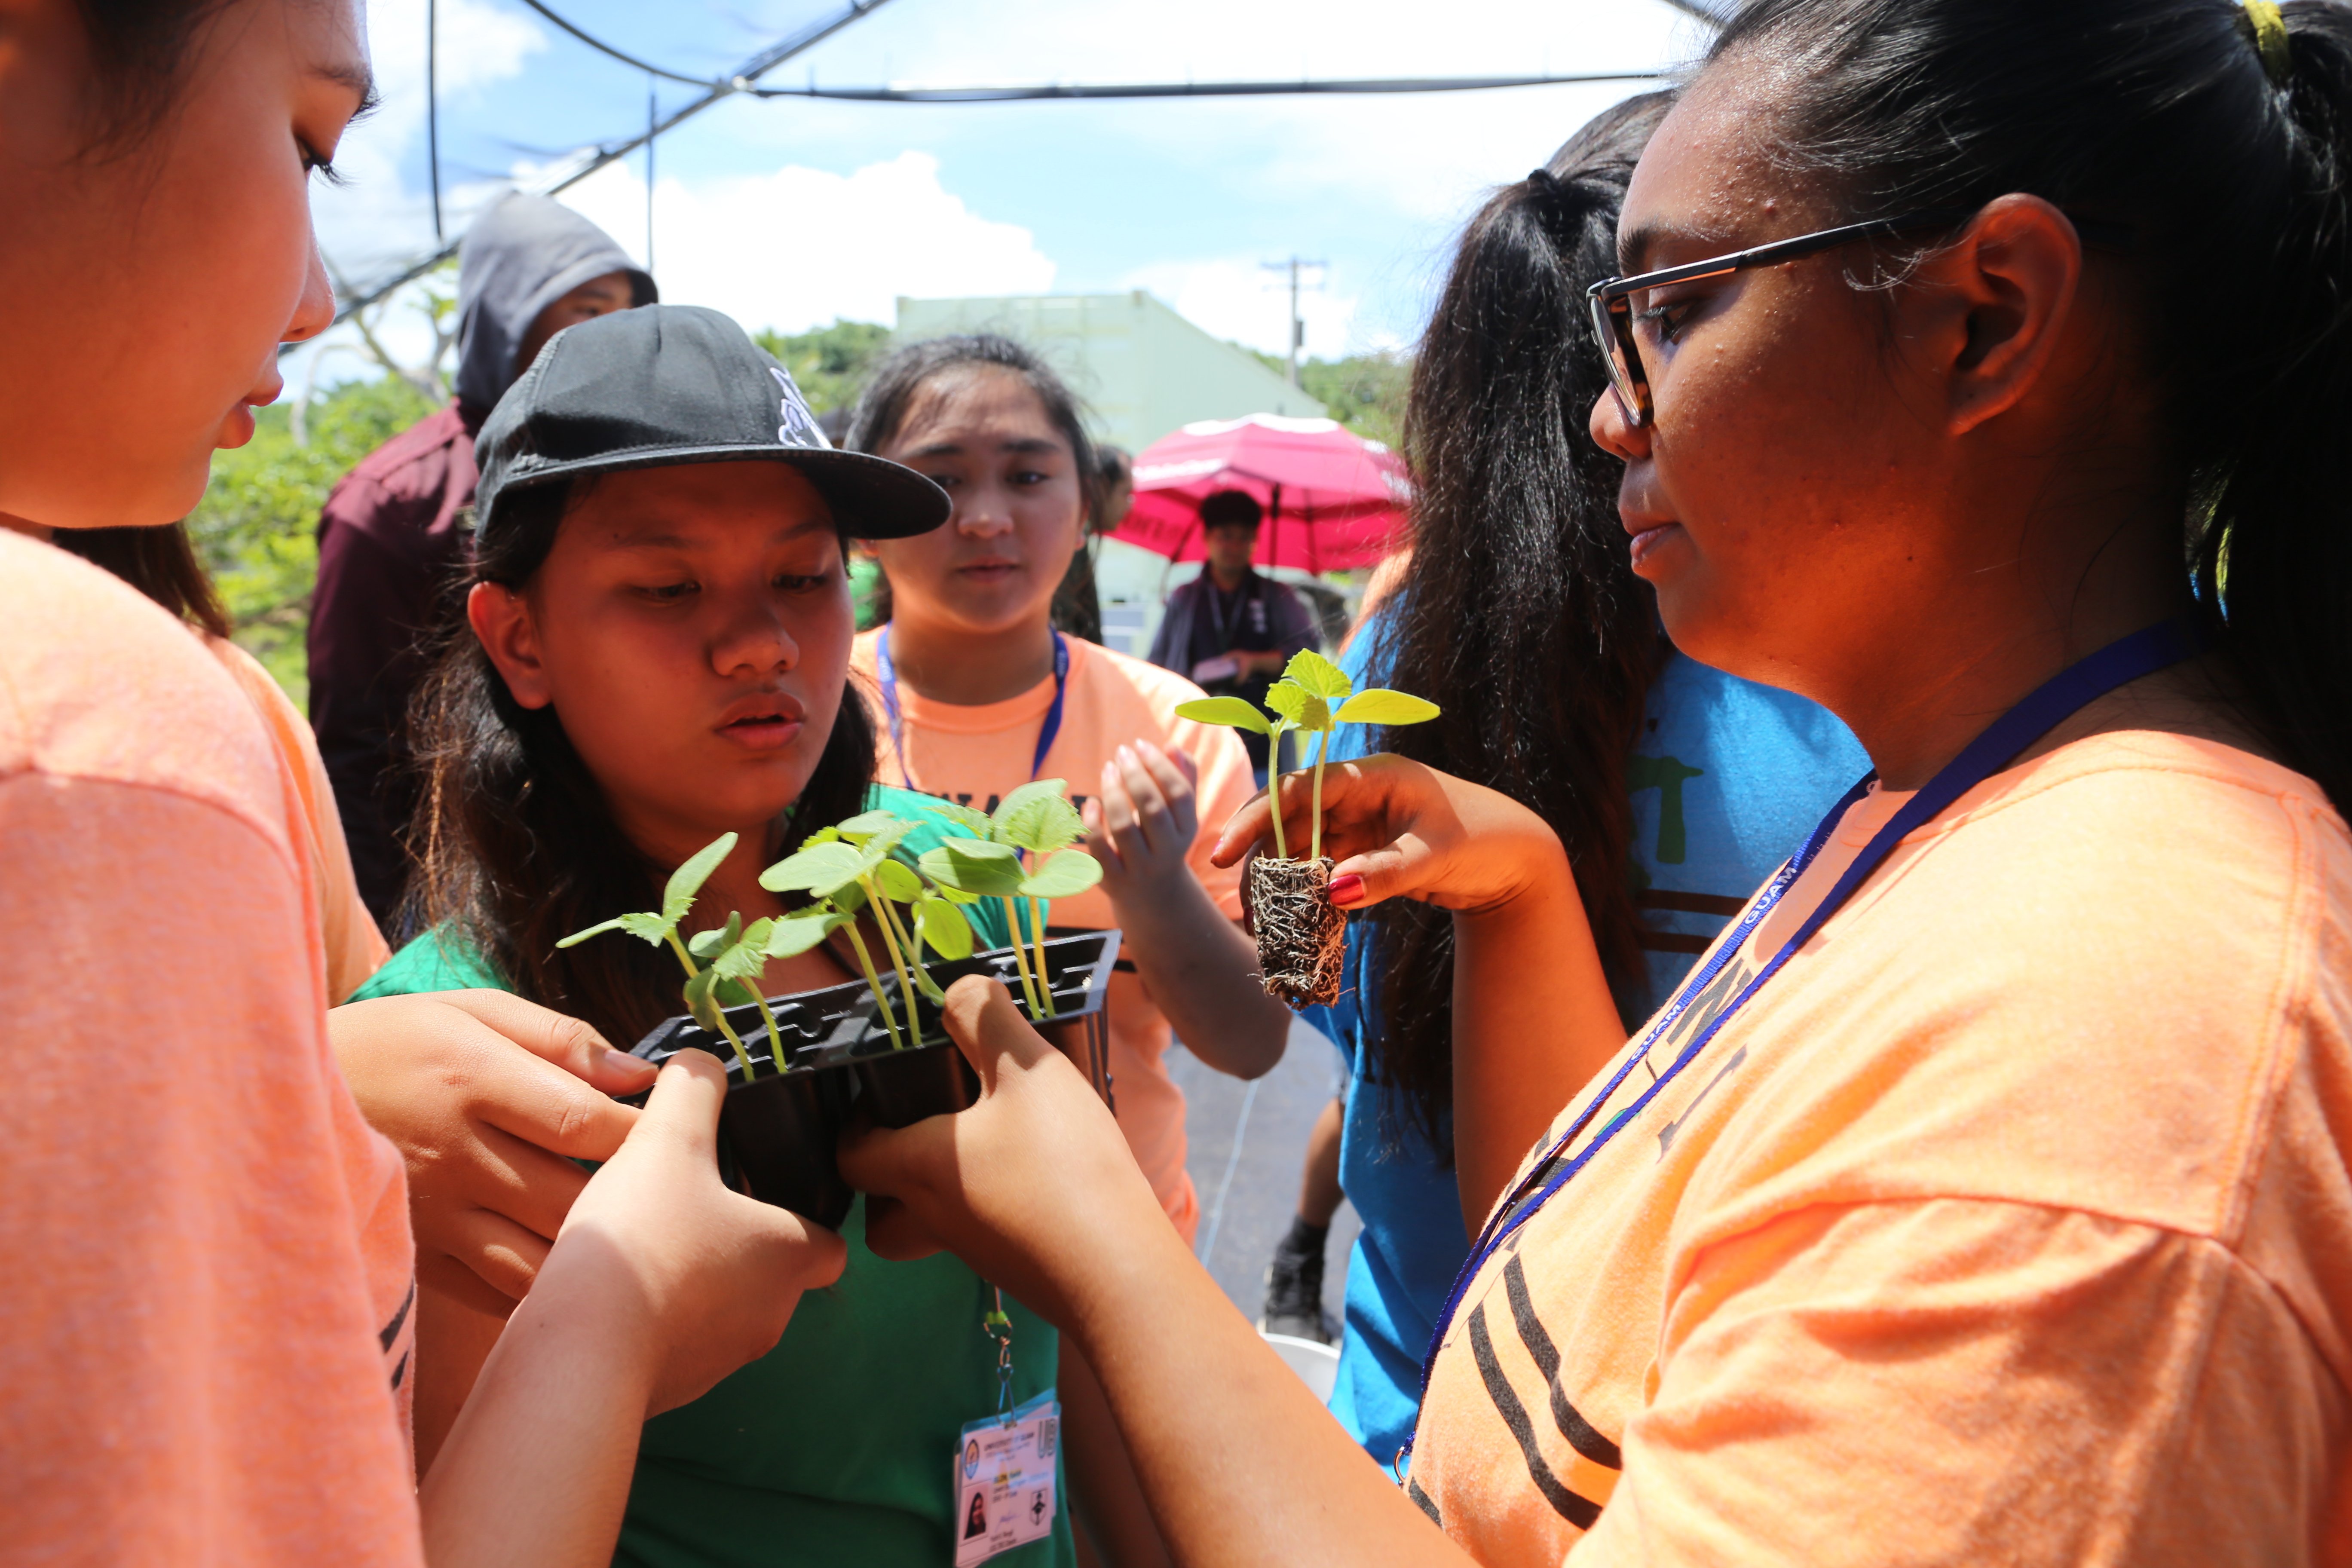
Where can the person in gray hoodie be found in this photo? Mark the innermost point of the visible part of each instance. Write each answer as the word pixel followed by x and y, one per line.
pixel 389 543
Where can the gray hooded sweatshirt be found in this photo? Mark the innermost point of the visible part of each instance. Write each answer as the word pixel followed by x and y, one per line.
pixel 519 258
pixel 388 536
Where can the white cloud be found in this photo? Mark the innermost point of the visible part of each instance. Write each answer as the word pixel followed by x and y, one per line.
pixel 796 248
pixel 1239 299
pixel 375 221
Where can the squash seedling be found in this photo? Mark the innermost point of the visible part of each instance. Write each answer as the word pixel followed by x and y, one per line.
pixel 702 977
pixel 847 868
pixel 1300 932
pixel 1036 822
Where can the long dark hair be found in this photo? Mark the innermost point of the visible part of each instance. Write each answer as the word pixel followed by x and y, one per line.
pixel 882 406
pixel 2230 169
pixel 515 845
pixel 1519 615
pixel 160 563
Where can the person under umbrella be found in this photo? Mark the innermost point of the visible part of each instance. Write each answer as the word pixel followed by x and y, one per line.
pixel 1231 629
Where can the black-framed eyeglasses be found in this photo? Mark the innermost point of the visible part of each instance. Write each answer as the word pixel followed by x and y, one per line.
pixel 1611 299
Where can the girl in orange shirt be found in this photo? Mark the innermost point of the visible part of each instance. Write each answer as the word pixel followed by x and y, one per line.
pixel 1981 371
pixel 210 1285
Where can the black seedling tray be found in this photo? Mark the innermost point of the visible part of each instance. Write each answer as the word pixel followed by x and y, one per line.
pixel 777 1133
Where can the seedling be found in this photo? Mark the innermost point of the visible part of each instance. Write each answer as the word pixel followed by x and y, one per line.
pixel 1023 852
pixel 711 947
pixel 1299 930
pixel 849 867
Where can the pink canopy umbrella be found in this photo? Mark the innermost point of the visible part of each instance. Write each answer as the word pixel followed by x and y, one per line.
pixel 1333 501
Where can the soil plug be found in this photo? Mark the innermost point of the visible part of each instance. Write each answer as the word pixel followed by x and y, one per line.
pixel 1301 933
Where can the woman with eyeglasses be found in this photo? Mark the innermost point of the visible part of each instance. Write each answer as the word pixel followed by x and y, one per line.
pixel 1981 371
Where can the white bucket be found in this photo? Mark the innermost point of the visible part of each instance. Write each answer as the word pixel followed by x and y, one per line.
pixel 1318 1365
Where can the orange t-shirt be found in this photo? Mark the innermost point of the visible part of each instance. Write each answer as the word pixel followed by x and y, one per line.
pixel 204 1323
pixel 355 948
pixel 978 755
pixel 2009 1222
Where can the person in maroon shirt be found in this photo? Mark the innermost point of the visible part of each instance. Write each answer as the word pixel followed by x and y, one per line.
pixel 389 541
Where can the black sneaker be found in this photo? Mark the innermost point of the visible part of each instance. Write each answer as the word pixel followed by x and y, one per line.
pixel 1294 1297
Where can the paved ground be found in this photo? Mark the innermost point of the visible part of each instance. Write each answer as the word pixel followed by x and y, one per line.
pixel 1247 1141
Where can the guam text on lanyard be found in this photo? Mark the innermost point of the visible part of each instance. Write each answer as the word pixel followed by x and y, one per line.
pixel 2143 652
pixel 1046 734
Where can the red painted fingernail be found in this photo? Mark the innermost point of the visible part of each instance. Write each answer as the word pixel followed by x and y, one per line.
pixel 1346 890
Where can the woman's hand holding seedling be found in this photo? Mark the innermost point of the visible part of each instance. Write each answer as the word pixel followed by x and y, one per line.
pixel 1533 1018
pixel 1403 830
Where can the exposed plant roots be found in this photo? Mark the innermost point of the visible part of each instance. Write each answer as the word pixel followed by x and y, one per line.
pixel 1300 932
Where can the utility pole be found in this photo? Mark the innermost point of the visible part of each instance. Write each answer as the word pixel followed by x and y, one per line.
pixel 1297 327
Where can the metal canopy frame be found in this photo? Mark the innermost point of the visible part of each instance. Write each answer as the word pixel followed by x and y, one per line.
pixel 742 81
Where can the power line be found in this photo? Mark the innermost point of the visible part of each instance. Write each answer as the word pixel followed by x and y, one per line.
pixel 591 159
pixel 1356 85
pixel 602 48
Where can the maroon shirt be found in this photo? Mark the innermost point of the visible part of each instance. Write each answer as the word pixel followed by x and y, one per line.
pixel 390 553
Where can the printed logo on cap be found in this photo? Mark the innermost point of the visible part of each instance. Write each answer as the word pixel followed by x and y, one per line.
pixel 799 428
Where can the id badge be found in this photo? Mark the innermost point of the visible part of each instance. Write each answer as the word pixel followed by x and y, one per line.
pixel 1004 1480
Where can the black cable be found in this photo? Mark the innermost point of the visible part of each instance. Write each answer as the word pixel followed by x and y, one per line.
pixel 432 105
pixel 602 48
pixel 1361 85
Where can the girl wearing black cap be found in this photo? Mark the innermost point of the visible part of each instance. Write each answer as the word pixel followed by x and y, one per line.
pixel 657 653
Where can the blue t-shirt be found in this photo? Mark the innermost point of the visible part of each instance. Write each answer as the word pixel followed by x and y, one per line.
pixel 1728 778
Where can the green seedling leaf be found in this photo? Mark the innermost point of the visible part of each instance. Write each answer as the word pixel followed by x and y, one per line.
pixel 706 945
pixel 745 957
pixel 848 900
pixel 1379 705
pixel 1042 825
pixel 867 824
pixel 957 895
pixel 972 821
pixel 1318 677
pixel 1288 700
pixel 897 879
pixel 733 994
pixel 982 870
pixel 647 928
pixel 944 930
pixel 801 930
pixel 687 879
pixel 700 1002
pixel 1019 801
pixel 1072 871
pixel 822 868
pixel 1231 711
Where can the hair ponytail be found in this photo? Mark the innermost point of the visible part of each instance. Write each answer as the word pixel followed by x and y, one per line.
pixel 515 845
pixel 2171 117
pixel 1519 615
pixel 2273 545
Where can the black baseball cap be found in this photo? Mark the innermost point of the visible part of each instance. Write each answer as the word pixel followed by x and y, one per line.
pixel 679 383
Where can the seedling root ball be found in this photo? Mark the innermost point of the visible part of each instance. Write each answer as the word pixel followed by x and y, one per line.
pixel 1301 934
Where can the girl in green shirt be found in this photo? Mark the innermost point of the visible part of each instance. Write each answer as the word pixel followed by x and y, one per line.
pixel 654 653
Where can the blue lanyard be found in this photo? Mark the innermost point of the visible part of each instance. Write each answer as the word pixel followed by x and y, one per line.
pixel 1045 735
pixel 2065 694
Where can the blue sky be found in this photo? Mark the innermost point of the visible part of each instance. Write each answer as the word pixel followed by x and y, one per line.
pixel 788 213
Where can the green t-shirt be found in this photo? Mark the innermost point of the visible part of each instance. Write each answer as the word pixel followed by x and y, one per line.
pixel 837 1447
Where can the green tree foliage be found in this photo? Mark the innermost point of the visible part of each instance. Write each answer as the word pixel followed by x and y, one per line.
pixel 830 363
pixel 1364 392
pixel 257 529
